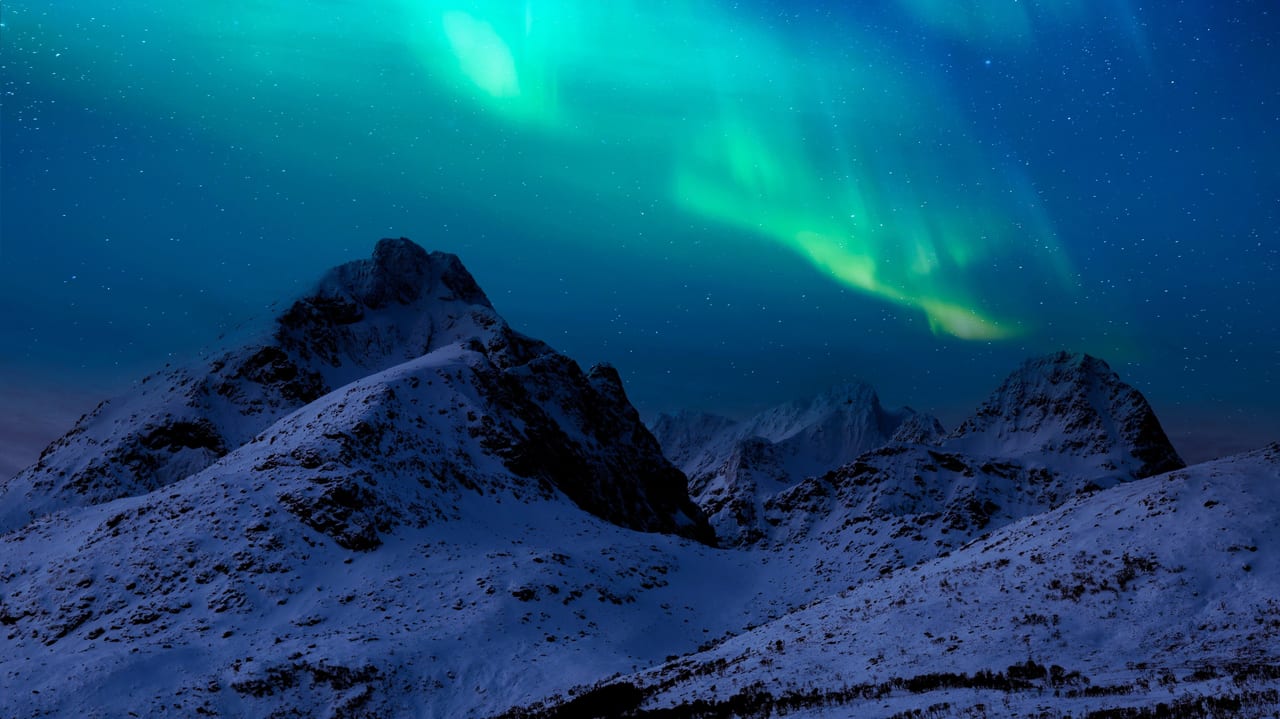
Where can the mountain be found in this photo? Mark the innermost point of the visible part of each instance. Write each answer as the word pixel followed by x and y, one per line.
pixel 1058 427
pixel 1069 408
pixel 734 467
pixel 410 509
pixel 1157 598
pixel 361 317
pixel 460 448
pixel 364 317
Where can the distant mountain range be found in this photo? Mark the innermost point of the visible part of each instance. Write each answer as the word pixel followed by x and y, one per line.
pixel 733 467
pixel 386 502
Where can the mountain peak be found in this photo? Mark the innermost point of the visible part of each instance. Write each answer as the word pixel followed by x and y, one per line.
pixel 401 262
pixel 396 305
pixel 855 392
pixel 400 271
pixel 362 317
pixel 917 428
pixel 837 406
pixel 604 377
pixel 1062 361
pixel 369 319
pixel 735 467
pixel 1070 404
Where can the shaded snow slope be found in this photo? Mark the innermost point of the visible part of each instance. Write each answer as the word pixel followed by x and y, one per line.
pixel 408 528
pixel 418 506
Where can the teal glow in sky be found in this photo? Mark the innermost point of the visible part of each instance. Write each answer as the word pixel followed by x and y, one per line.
pixel 734 202
pixel 834 153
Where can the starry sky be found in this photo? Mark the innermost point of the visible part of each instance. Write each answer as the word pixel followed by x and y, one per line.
pixel 736 203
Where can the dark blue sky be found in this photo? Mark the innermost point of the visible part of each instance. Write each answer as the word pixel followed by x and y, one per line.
pixel 735 203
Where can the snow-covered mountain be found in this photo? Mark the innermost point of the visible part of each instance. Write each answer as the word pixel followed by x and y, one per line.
pixel 734 467
pixel 362 317
pixel 410 509
pixel 1069 409
pixel 469 435
pixel 1157 598
pixel 1058 427
pixel 409 512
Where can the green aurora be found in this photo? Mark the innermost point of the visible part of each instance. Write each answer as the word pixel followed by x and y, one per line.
pixel 737 202
pixel 844 153
pixel 878 190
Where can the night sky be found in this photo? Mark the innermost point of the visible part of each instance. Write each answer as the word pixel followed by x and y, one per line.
pixel 736 203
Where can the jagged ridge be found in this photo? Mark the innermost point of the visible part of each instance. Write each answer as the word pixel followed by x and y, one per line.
pixel 735 468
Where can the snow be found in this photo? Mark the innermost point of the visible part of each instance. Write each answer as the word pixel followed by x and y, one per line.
pixel 735 468
pixel 1157 578
pixel 462 523
pixel 181 419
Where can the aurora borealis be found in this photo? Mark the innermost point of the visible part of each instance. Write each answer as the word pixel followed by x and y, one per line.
pixel 736 203
pixel 862 174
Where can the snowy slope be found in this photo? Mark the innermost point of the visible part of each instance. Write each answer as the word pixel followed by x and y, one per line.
pixel 1160 595
pixel 362 317
pixel 735 467
pixel 403 513
pixel 453 520
pixel 488 474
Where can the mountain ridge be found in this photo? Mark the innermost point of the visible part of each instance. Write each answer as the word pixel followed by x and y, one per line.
pixel 361 318
pixel 481 528
pixel 734 467
pixel 1157 594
